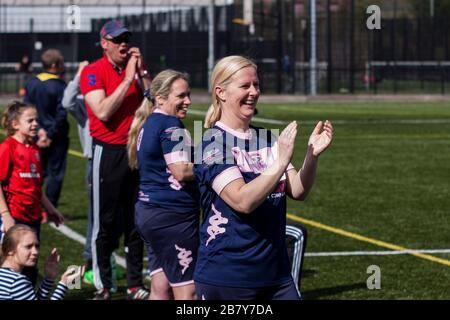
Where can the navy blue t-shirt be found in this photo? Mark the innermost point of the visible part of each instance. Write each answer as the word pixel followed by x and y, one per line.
pixel 241 250
pixel 164 140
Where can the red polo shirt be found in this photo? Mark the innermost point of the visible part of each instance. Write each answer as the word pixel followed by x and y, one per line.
pixel 103 75
pixel 21 179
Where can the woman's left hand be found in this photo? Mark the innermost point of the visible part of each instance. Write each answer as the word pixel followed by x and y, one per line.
pixel 52 264
pixel 321 137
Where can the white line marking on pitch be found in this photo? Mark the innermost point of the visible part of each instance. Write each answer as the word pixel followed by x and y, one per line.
pixel 345 122
pixel 72 234
pixel 373 253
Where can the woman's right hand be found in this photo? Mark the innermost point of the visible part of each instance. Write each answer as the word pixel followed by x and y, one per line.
pixel 73 273
pixel 286 143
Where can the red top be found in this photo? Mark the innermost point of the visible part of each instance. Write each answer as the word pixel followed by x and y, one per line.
pixel 103 75
pixel 21 178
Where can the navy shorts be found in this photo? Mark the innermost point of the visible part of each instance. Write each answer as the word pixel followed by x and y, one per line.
pixel 286 291
pixel 172 240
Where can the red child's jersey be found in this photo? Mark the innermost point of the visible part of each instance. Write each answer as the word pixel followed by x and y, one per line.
pixel 21 179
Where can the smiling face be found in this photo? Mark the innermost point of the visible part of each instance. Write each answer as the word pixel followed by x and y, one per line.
pixel 178 100
pixel 116 49
pixel 27 251
pixel 26 125
pixel 240 96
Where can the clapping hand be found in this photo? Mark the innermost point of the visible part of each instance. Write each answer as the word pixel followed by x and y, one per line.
pixel 286 143
pixel 52 264
pixel 321 137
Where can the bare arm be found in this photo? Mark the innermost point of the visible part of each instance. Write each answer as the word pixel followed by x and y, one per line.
pixel 53 213
pixel 104 107
pixel 7 219
pixel 146 82
pixel 246 197
pixel 300 183
pixel 182 171
pixel 141 69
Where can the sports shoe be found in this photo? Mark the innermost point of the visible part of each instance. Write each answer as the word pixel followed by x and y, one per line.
pixel 137 293
pixel 88 277
pixel 102 294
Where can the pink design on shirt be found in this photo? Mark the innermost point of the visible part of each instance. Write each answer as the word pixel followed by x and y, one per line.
pixel 215 221
pixel 253 161
pixel 184 257
pixel 174 183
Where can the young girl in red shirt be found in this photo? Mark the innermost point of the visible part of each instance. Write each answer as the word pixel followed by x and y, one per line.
pixel 21 196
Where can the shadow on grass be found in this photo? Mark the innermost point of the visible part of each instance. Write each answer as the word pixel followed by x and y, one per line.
pixel 87 293
pixel 319 293
pixel 307 273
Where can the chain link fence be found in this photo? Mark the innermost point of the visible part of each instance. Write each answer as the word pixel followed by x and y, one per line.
pixel 409 54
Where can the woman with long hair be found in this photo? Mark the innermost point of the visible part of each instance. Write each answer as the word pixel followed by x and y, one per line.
pixel 167 212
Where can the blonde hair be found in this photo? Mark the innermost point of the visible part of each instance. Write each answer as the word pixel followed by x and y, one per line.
pixel 220 77
pixel 12 239
pixel 161 86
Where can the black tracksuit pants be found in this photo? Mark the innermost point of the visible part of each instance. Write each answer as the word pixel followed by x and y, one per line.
pixel 114 190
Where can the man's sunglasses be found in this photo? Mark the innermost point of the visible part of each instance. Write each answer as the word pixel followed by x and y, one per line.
pixel 120 39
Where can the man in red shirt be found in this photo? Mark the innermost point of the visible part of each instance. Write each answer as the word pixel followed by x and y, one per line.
pixel 113 89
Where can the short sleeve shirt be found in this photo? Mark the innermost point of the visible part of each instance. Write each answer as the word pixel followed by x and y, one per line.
pixel 242 250
pixel 163 140
pixel 21 178
pixel 103 75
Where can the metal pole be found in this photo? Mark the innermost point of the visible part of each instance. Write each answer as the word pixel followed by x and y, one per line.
pixel 279 46
pixel 211 39
pixel 143 38
pixel 313 58
pixel 294 50
pixel 352 46
pixel 329 55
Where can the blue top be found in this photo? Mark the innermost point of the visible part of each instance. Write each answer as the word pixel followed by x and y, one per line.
pixel 242 250
pixel 164 140
pixel 46 91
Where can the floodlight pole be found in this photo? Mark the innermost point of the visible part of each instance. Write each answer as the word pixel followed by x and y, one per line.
pixel 211 39
pixel 313 58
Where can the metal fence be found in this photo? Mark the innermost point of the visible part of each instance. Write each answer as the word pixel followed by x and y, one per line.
pixel 409 54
